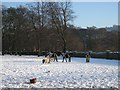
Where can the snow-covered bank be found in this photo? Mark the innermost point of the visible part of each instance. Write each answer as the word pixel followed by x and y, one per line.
pixel 18 70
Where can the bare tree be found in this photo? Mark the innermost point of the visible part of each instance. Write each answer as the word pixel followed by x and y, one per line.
pixel 39 20
pixel 61 15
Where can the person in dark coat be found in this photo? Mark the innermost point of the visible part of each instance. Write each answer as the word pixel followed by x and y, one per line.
pixel 65 56
pixel 55 57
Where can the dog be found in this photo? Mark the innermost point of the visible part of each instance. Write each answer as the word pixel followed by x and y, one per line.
pixel 47 60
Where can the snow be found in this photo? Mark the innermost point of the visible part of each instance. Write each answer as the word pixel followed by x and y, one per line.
pixel 18 70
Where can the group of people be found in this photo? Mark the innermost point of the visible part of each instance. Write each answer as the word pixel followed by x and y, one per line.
pixel 53 57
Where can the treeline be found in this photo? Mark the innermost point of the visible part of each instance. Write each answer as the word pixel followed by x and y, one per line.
pixel 45 26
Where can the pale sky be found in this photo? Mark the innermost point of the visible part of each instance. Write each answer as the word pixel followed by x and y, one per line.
pixel 99 14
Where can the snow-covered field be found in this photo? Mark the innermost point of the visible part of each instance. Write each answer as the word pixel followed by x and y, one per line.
pixel 18 70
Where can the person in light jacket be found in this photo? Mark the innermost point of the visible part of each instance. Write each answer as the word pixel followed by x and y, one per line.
pixel 87 57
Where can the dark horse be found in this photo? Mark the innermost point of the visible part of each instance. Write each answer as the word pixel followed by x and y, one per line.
pixel 65 56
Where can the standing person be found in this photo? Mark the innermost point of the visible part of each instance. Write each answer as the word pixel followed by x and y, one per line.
pixel 48 57
pixel 69 57
pixel 55 57
pixel 87 57
pixel 64 57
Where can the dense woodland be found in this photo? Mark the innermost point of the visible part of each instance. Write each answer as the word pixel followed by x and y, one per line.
pixel 46 26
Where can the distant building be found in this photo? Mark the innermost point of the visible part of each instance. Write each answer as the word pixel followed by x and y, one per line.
pixel 114 28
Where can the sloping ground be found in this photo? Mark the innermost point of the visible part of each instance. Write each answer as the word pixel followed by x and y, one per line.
pixel 18 70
